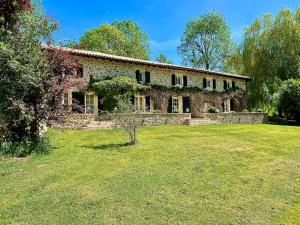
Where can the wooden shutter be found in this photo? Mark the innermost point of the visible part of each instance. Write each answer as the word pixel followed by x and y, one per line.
pixel 148 103
pixel 185 81
pixel 225 84
pixel 204 83
pixel 233 84
pixel 147 77
pixel 170 105
pixel 132 99
pixel 186 104
pixel 138 76
pixel 214 84
pixel 173 79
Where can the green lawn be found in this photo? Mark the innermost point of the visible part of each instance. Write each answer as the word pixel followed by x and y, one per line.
pixel 222 174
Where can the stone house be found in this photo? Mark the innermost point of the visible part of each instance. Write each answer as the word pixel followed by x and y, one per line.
pixel 181 89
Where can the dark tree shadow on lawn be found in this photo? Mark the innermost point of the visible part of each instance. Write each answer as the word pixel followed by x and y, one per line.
pixel 108 146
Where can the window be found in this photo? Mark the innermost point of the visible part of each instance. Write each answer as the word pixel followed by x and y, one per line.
pixel 178 80
pixel 80 72
pixel 139 103
pixel 89 104
pixel 175 105
pixel 225 85
pixel 66 99
pixel 208 84
pixel 143 78
pixel 78 102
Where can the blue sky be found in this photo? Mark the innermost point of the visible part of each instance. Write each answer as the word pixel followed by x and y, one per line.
pixel 162 20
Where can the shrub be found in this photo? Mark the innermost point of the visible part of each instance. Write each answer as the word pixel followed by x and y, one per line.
pixel 245 110
pixel 278 120
pixel 212 110
pixel 259 110
pixel 288 99
pixel 24 147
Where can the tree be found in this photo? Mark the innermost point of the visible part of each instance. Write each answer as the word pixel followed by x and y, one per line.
pixel 269 53
pixel 112 87
pixel 162 58
pixel 126 117
pixel 206 41
pixel 32 81
pixel 124 38
pixel 288 99
pixel 117 93
pixel 138 45
pixel 9 10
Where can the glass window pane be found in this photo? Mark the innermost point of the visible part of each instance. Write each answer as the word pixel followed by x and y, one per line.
pixel 90 103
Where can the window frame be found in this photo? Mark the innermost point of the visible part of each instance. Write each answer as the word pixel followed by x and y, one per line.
pixel 89 98
pixel 180 79
pixel 208 83
pixel 175 103
pixel 140 103
pixel 65 100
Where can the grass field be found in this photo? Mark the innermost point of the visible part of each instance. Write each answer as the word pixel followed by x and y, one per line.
pixel 220 174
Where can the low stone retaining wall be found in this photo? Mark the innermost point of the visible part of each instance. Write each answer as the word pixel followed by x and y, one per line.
pixel 92 122
pixel 158 118
pixel 238 117
pixel 81 121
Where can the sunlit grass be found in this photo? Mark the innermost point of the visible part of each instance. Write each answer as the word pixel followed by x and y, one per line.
pixel 222 174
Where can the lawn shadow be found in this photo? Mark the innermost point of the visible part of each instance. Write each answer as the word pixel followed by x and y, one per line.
pixel 108 146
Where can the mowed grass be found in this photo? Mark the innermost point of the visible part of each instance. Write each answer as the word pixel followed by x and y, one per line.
pixel 219 174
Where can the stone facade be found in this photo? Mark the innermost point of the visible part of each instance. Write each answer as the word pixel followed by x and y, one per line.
pixel 99 68
pixel 200 98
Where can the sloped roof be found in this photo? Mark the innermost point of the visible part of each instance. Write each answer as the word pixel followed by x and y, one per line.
pixel 100 55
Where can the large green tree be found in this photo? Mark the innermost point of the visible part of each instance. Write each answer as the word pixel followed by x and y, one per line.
pixel 269 52
pixel 206 41
pixel 162 58
pixel 123 38
pixel 32 81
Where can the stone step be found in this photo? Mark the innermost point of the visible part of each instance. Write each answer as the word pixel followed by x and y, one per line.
pixel 195 122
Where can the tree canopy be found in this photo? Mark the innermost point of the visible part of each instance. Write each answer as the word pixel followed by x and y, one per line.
pixel 206 41
pixel 288 99
pixel 31 80
pixel 9 10
pixel 269 52
pixel 162 58
pixel 124 38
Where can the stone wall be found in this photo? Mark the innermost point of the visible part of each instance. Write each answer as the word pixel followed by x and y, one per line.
pixel 238 118
pixel 159 118
pixel 90 122
pixel 99 68
pixel 198 99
